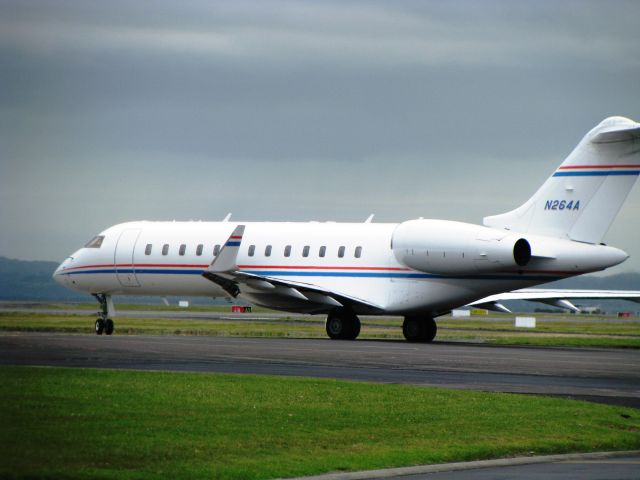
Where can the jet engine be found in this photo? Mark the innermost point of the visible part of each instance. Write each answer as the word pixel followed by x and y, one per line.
pixel 455 248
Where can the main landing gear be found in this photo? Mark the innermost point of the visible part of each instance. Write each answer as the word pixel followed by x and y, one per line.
pixel 419 329
pixel 343 324
pixel 104 323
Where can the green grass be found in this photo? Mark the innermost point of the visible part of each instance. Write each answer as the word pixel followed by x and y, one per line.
pixel 93 307
pixel 572 332
pixel 159 326
pixel 585 325
pixel 77 423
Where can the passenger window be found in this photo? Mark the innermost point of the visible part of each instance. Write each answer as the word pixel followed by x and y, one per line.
pixel 341 252
pixel 323 251
pixel 165 249
pixel 147 249
pixel 267 251
pixel 95 242
pixel 252 250
pixel 358 252
pixel 305 251
pixel 183 248
pixel 216 250
pixel 199 249
pixel 287 251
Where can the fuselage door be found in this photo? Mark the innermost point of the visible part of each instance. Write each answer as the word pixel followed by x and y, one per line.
pixel 123 258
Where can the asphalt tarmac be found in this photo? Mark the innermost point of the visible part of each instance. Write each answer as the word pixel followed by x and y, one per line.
pixel 604 375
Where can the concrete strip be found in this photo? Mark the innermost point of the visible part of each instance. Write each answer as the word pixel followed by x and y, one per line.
pixel 458 466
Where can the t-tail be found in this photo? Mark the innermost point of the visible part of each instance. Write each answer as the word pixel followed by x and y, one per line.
pixel 583 196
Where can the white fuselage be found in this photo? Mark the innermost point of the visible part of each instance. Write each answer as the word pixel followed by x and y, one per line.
pixel 354 260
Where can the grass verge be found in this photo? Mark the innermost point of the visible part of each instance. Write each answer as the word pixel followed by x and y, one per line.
pixel 83 423
pixel 549 332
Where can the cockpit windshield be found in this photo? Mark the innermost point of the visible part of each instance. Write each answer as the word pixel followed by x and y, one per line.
pixel 95 242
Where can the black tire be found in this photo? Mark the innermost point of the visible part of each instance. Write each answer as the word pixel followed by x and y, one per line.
pixel 354 328
pixel 342 325
pixel 99 326
pixel 412 329
pixel 430 330
pixel 419 329
pixel 108 326
pixel 335 326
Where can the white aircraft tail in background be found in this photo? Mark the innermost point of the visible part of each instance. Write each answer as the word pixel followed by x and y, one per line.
pixel 418 269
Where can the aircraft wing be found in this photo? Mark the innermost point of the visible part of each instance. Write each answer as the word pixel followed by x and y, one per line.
pixel 556 297
pixel 322 299
pixel 225 272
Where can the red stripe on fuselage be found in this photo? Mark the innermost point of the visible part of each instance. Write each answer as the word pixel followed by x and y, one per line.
pixel 111 265
pixel 576 167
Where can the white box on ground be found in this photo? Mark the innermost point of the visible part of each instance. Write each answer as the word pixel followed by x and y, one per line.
pixel 183 303
pixel 526 322
pixel 460 313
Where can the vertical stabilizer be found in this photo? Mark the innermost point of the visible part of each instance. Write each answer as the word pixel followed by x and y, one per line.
pixel 583 196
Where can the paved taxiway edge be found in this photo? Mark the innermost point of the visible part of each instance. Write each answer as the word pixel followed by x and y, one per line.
pixel 458 466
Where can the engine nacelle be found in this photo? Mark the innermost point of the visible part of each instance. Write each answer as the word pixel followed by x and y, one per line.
pixel 455 248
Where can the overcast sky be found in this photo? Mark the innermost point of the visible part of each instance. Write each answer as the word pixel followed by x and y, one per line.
pixel 303 110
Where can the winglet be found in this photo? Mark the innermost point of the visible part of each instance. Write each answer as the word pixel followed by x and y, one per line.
pixel 226 259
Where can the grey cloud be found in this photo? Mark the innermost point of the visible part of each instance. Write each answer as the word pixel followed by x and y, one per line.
pixel 350 33
pixel 111 111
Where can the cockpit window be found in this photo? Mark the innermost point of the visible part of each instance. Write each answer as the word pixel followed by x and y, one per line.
pixel 95 242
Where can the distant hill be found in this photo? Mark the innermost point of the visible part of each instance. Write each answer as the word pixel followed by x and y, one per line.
pixel 31 280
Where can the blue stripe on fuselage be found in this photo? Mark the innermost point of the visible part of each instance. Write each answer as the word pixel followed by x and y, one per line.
pixel 341 274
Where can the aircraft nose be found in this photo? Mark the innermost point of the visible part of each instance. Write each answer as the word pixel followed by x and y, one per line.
pixel 59 275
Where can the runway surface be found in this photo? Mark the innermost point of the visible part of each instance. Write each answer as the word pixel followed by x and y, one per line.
pixel 603 375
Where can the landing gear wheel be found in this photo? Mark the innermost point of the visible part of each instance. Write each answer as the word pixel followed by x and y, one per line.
pixel 104 323
pixel 343 325
pixel 99 326
pixel 419 329
pixel 412 329
pixel 335 326
pixel 108 326
pixel 355 328
pixel 430 330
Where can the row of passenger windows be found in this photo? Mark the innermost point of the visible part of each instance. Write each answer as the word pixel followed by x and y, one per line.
pixel 251 251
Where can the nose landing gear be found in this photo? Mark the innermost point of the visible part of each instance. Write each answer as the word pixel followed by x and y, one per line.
pixel 104 324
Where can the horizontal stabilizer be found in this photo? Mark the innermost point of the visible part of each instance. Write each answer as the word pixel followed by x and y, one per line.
pixel 617 133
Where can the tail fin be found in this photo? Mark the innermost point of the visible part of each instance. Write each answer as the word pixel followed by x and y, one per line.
pixel 583 196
